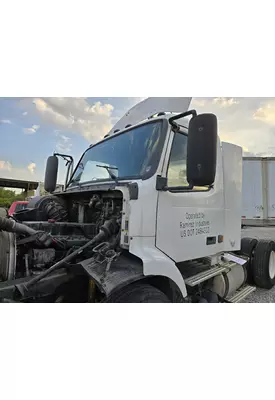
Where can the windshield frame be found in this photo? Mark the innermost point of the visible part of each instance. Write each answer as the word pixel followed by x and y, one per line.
pixel 154 160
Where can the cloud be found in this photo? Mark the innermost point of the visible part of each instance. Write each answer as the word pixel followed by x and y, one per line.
pixel 5 121
pixel 5 165
pixel 225 102
pixel 32 130
pixel 237 125
pixel 64 144
pixel 7 170
pixel 248 122
pixel 266 113
pixel 92 121
pixel 31 167
pixel 198 102
pixel 252 140
pixel 25 113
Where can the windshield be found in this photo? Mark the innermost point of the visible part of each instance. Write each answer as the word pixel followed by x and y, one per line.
pixel 133 154
pixel 20 206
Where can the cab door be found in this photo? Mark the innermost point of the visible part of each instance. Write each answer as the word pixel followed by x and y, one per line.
pixel 190 223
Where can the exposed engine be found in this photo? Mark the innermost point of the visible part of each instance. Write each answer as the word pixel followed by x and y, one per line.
pixel 52 229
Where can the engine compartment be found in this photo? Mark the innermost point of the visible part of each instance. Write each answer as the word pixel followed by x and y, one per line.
pixel 53 227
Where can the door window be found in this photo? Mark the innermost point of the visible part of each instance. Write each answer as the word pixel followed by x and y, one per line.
pixel 176 175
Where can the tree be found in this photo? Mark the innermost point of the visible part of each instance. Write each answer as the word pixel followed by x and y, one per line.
pixel 7 197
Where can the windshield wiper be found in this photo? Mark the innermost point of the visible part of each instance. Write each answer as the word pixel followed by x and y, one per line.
pixel 109 169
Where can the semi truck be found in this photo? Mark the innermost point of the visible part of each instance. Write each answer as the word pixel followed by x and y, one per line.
pixel 150 214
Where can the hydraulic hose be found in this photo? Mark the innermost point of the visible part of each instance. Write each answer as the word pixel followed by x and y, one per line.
pixel 9 225
pixel 108 229
pixel 43 238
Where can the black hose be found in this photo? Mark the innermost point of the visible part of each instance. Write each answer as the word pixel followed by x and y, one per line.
pixel 9 225
pixel 108 229
pixel 44 238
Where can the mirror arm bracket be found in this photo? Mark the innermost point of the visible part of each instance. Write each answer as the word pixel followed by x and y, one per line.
pixel 65 157
pixel 161 185
pixel 172 120
pixel 69 164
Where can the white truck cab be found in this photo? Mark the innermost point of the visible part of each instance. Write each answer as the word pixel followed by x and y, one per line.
pixel 165 195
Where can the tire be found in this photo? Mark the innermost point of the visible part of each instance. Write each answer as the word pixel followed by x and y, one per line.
pixel 139 293
pixel 263 264
pixel 248 246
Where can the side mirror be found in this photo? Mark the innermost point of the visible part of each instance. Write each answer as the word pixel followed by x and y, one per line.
pixel 202 150
pixel 51 174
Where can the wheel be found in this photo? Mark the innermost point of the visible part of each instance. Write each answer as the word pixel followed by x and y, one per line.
pixel 248 246
pixel 139 293
pixel 263 264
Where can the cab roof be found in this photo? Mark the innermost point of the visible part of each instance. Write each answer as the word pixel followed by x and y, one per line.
pixel 149 107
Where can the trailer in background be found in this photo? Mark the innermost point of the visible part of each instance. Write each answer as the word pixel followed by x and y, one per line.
pixel 258 191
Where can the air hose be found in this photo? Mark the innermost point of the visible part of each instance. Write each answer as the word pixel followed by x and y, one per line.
pixel 43 238
pixel 109 228
pixel 9 225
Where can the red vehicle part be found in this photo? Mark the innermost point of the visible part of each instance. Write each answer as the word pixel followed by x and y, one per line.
pixel 17 206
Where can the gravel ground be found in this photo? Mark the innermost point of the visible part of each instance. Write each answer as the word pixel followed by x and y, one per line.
pixel 260 295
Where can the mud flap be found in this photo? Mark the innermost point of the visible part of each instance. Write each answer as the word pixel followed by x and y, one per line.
pixel 122 272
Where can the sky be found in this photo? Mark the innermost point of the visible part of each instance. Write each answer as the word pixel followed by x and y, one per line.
pixel 31 129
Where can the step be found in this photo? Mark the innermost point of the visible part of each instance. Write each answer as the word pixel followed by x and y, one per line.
pixel 205 275
pixel 241 294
